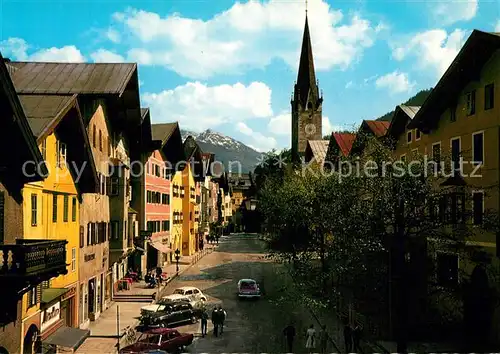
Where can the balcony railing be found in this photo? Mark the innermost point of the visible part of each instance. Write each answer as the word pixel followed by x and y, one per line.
pixel 29 258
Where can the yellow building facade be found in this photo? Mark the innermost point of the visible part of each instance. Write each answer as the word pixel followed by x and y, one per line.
pixel 188 209
pixel 177 192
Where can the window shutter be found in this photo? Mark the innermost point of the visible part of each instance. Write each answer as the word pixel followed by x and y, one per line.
pixel 2 216
pixel 108 185
pixel 38 293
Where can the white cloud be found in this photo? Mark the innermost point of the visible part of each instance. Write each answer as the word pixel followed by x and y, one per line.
pixel 198 106
pixel 247 35
pixel 113 35
pixel 18 49
pixel 280 124
pixel 259 141
pixel 349 85
pixel 395 82
pixel 449 12
pixel 434 49
pixel 497 26
pixel 106 56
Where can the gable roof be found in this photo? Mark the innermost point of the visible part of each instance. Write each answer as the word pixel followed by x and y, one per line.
pixel 61 115
pixel 466 67
pixel 162 132
pixel 317 149
pixel 344 141
pixel 71 78
pixel 17 132
pixel 377 127
pixel 168 136
pixel 402 115
pixel 208 162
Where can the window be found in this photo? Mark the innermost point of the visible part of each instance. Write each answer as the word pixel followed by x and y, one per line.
pixel 34 208
pixel 478 207
pixel 100 140
pixel 44 149
pixel 470 98
pixel 73 259
pixel 102 180
pixel 453 113
pixel 114 230
pixel 33 296
pixel 61 154
pixel 455 153
pixel 94 136
pixel 165 225
pixel 447 269
pixel 82 237
pixel 417 134
pixel 477 148
pixel 73 209
pixel 436 155
pixel 489 96
pixel 2 216
pixel 66 208
pixel 408 136
pixel 113 188
pixel 165 199
pixel 54 207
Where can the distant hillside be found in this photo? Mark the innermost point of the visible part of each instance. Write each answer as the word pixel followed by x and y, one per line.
pixel 226 149
pixel 416 100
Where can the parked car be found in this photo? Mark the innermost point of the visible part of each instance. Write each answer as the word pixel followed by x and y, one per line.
pixel 169 314
pixel 197 304
pixel 194 294
pixel 165 301
pixel 160 339
pixel 248 288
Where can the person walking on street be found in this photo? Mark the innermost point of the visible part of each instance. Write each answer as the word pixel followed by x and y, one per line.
pixel 204 322
pixel 323 339
pixel 356 337
pixel 311 339
pixel 348 337
pixel 222 314
pixel 215 321
pixel 289 333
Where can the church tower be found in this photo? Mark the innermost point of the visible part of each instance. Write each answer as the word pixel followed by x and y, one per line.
pixel 306 101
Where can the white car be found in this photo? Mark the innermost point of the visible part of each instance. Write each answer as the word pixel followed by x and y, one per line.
pixel 160 305
pixel 194 294
pixel 248 288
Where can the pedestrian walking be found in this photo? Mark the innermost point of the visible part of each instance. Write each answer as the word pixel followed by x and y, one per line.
pixel 311 338
pixel 215 321
pixel 204 322
pixel 223 315
pixel 323 339
pixel 356 337
pixel 289 333
pixel 348 337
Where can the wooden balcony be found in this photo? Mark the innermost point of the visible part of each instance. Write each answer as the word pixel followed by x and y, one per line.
pixel 38 259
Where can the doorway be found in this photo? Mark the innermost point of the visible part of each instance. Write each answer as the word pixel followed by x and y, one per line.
pixel 92 290
pixel 152 260
pixel 31 343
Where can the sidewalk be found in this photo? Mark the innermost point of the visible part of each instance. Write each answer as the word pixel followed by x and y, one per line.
pixel 104 332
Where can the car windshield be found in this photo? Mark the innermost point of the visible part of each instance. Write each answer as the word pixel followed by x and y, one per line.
pixel 179 291
pixel 248 284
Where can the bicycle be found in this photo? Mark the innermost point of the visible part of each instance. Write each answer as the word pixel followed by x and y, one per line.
pixel 130 335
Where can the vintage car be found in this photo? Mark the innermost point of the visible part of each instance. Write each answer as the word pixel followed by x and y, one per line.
pixel 248 288
pixel 194 294
pixel 160 305
pixel 169 314
pixel 160 339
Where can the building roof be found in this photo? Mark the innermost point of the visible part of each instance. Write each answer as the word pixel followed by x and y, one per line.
pixel 344 142
pixel 306 78
pixel 71 78
pixel 466 67
pixel 15 131
pixel 377 127
pixel 163 131
pixel 402 115
pixel 318 149
pixel 43 110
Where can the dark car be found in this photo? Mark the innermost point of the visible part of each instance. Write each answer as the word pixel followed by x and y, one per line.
pixel 159 339
pixel 170 314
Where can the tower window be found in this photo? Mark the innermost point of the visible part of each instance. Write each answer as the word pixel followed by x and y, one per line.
pixel 309 105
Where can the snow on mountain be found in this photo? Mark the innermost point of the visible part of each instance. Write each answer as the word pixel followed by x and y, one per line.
pixel 225 148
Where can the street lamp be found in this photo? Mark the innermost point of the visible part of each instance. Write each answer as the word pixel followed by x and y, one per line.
pixel 250 204
pixel 177 256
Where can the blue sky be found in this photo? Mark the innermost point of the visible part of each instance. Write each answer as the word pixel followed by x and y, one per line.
pixel 231 66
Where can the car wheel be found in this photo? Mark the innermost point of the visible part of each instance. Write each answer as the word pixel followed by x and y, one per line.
pixel 194 319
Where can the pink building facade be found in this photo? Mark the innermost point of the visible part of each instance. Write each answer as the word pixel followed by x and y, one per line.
pixel 157 210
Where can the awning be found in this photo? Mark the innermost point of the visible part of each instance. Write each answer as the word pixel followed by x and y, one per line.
pixel 51 294
pixel 161 247
pixel 67 337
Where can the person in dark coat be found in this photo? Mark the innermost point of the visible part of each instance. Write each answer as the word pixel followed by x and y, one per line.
pixel 348 337
pixel 289 333
pixel 222 315
pixel 204 322
pixel 215 321
pixel 356 337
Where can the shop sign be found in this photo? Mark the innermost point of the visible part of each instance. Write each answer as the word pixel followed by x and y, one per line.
pixel 71 292
pixel 89 257
pixel 50 316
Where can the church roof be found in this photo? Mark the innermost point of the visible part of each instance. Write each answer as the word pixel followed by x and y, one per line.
pixel 306 78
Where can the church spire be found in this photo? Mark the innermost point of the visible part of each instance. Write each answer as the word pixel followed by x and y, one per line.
pixel 306 78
